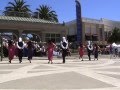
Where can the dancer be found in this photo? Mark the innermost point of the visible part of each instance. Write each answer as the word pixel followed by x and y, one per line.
pixel 11 50
pixel 5 49
pixel 95 51
pixel 30 50
pixel 20 46
pixel 111 51
pixel 81 51
pixel 64 46
pixel 89 49
pixel 50 49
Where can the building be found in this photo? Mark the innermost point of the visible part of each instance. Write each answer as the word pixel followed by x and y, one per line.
pixel 96 30
pixel 44 29
pixel 92 29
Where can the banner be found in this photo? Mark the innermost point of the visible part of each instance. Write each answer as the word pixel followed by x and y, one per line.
pixel 78 22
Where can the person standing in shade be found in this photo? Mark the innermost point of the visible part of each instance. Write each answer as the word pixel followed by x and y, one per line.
pixel 50 49
pixel 111 51
pixel 20 46
pixel 5 50
pixel 95 51
pixel 64 46
pixel 89 49
pixel 43 51
pixel 81 51
pixel 11 50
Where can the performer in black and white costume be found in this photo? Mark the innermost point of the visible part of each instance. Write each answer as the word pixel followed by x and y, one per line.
pixel 64 46
pixel 89 49
pixel 20 46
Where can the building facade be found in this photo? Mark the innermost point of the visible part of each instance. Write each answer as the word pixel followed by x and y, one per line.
pixel 95 30
pixel 45 30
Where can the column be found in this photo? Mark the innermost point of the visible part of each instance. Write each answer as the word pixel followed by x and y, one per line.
pixel 20 33
pixel 83 33
pixel 16 33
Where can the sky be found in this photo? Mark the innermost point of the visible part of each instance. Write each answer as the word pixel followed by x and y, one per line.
pixel 66 10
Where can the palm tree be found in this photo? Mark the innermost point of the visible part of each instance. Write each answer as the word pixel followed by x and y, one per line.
pixel 45 12
pixel 17 8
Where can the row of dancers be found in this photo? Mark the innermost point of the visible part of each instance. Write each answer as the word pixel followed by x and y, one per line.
pixel 91 49
pixel 19 46
pixel 17 49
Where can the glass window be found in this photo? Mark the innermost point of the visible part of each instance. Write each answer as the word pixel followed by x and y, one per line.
pixel 87 37
pixel 47 35
pixel 57 39
pixel 47 39
pixel 52 35
pixel 57 35
pixel 53 39
pixel 94 38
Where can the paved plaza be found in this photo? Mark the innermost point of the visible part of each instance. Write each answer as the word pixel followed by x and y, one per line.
pixel 103 74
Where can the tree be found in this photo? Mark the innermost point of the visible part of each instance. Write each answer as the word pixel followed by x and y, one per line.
pixel 115 36
pixel 17 8
pixel 45 12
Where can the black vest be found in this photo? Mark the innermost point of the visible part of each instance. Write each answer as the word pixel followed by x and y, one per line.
pixel 20 44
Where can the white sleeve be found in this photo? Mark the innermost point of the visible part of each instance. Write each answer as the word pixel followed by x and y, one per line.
pixel 91 47
pixel 18 46
pixel 23 45
pixel 67 45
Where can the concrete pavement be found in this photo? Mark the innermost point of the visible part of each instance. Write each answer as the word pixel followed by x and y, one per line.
pixel 103 74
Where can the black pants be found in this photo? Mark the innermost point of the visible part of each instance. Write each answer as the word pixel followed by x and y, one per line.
pixel 20 54
pixel 96 54
pixel 30 54
pixel 64 53
pixel 89 54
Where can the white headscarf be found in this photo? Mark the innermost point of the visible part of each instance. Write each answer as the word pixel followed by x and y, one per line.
pixel 64 40
pixel 20 39
pixel 89 42
pixel 90 47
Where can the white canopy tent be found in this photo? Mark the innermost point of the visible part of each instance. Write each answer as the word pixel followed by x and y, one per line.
pixel 118 46
pixel 114 45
